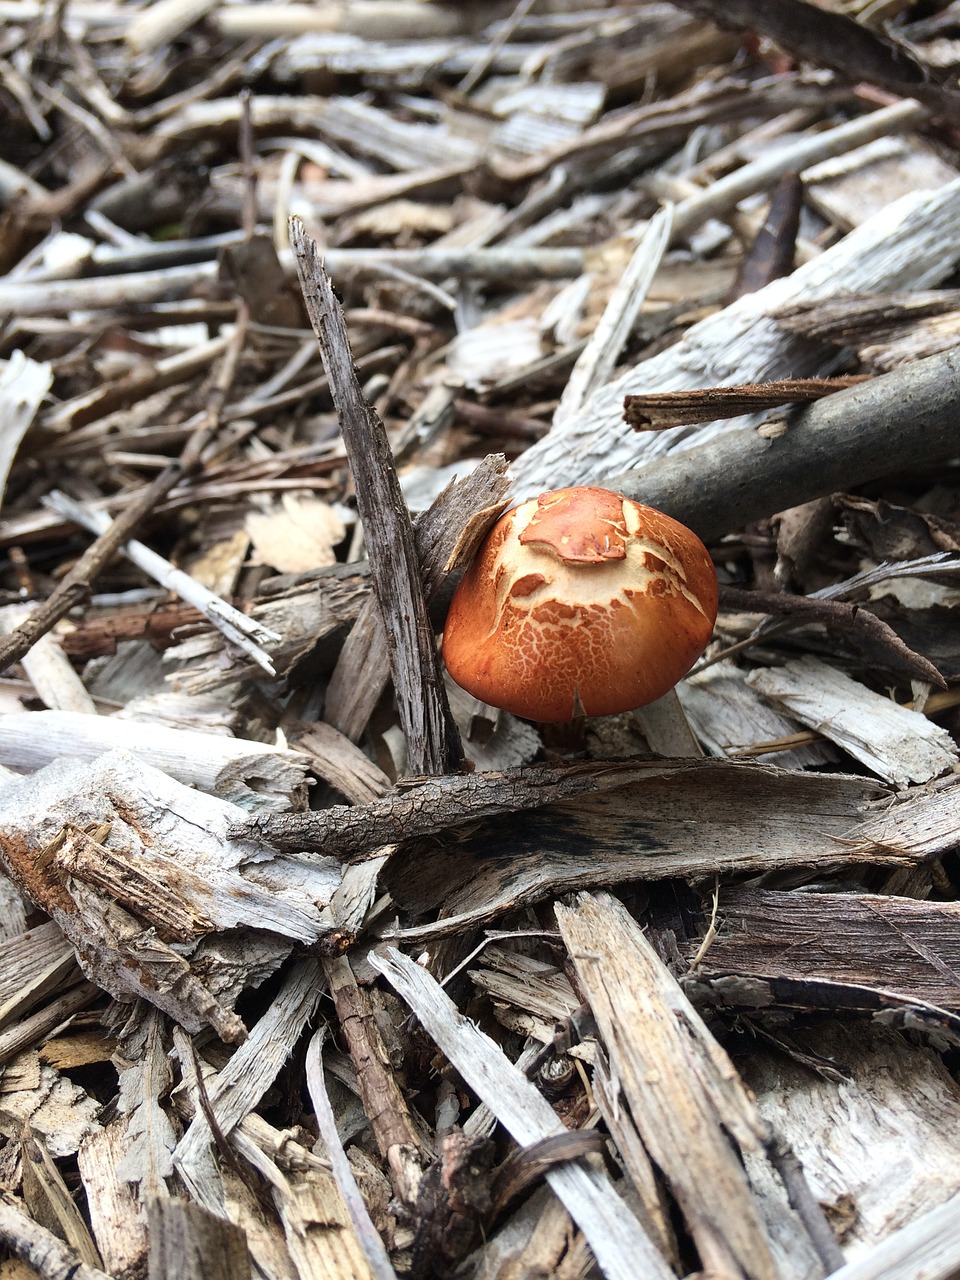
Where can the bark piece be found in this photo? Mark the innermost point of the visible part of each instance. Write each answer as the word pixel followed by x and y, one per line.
pixel 539 989
pixel 145 1159
pixel 23 385
pixel 729 717
pixel 770 254
pixel 896 944
pixel 687 408
pixel 317 1229
pixel 376 1255
pixel 695 822
pixel 928 1248
pixel 652 1199
pixel 235 769
pixel 539 1239
pixel 50 1258
pixel 13 906
pixel 875 1092
pixel 34 965
pixel 867 318
pixel 28 1031
pixel 834 613
pixel 74 587
pixel 340 763
pixel 679 1085
pixel 618 1241
pixel 383 1102
pixel 454 1200
pixel 58 1111
pixel 244 632
pixel 118 816
pixel 188 1242
pixel 851 188
pixel 239 1086
pixel 116 1220
pixel 898 744
pixel 427 805
pixel 362 669
pixel 305 612
pixel 724 192
pixel 49 1200
pixel 49 670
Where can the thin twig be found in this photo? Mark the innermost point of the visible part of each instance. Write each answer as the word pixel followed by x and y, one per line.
pixel 810 149
pixel 804 1203
pixel 383 1100
pixel 239 628
pixel 659 409
pixel 834 613
pixel 75 587
pixel 772 251
pixel 507 28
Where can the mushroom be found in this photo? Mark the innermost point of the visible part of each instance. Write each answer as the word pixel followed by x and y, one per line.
pixel 580 601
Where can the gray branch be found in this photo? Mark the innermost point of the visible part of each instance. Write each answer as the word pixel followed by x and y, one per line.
pixel 904 419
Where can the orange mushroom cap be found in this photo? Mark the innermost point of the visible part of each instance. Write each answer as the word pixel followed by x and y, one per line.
pixel 580 601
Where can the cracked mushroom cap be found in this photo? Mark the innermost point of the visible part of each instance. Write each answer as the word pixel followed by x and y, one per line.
pixel 580 602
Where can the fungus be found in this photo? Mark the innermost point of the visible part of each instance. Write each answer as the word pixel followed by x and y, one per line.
pixel 578 602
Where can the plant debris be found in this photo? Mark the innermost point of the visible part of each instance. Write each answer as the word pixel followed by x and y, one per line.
pixel 311 964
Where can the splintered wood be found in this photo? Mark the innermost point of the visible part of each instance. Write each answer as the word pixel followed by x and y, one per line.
pixel 312 966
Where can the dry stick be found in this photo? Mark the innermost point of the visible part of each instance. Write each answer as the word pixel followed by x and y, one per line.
pixel 834 613
pixel 248 166
pixel 507 28
pixel 15 182
pixel 834 40
pixel 437 532
pixel 902 419
pixel 804 1203
pixel 161 23
pixel 40 1249
pixel 433 743
pixel 246 633
pixel 75 587
pixel 772 251
pixel 437 804
pixel 661 409
pixel 940 562
pixel 725 193
pixel 383 1103
pixel 171 284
